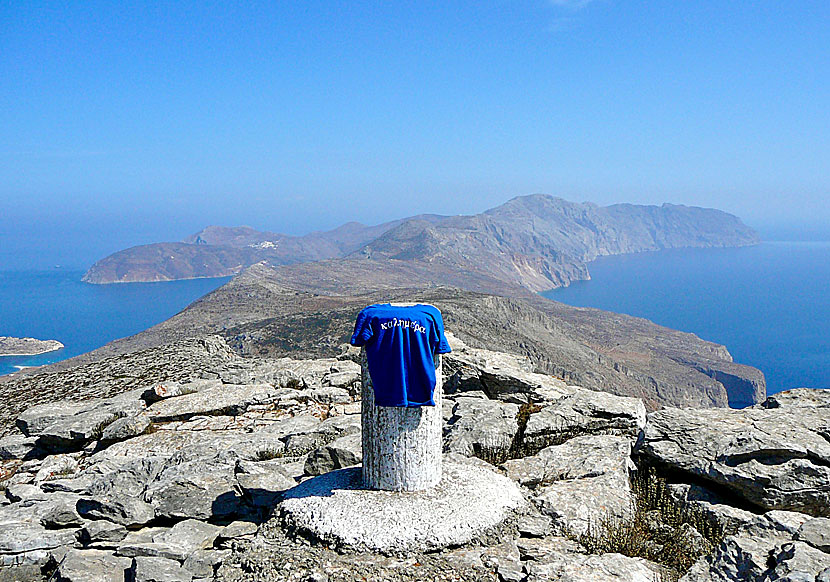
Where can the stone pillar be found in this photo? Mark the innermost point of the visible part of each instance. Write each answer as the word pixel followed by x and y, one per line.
pixel 401 446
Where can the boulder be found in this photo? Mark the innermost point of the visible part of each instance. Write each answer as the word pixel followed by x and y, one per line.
pixel 125 510
pixel 126 428
pixel 486 429
pixel 339 454
pixel 583 412
pixel 16 446
pixel 798 398
pixel 101 531
pixel 585 456
pixel 92 566
pixel 221 399
pixel 815 532
pixel 777 458
pixel 176 543
pixel 596 568
pixel 153 569
pixel 263 483
pixel 200 489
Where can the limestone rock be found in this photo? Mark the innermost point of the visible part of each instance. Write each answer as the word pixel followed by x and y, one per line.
pixel 498 375
pixel 35 419
pixel 125 428
pixel 220 399
pixel 101 531
pixel 816 532
pixel 153 569
pixel 580 482
pixel 585 456
pixel 796 561
pixel 200 489
pixel 16 446
pixel 92 566
pixel 263 483
pixel 203 563
pixel 21 537
pixel 483 428
pixel 584 412
pixel 125 510
pixel 775 458
pixel 339 454
pixel 597 568
pixel 798 398
pixel 176 543
pixel 55 466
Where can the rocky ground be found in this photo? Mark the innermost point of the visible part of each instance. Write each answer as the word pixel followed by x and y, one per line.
pixel 182 480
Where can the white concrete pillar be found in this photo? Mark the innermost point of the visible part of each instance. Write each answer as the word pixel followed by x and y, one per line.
pixel 401 445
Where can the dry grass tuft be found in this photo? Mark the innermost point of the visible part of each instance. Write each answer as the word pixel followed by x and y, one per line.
pixel 661 529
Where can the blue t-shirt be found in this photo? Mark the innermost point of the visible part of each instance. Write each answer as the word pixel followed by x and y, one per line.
pixel 400 343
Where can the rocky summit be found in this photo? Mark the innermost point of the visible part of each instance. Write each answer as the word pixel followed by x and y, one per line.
pixel 186 479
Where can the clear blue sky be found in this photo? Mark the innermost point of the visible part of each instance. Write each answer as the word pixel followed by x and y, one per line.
pixel 124 122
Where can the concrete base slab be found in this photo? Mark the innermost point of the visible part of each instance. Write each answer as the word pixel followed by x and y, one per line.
pixel 469 502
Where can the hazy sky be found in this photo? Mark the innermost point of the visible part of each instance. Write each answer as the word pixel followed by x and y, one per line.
pixel 125 122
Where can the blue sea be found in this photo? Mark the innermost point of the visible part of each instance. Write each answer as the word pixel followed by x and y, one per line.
pixel 768 304
pixel 55 304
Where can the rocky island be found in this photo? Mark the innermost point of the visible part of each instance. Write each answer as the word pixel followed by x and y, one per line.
pixel 27 346
pixel 540 242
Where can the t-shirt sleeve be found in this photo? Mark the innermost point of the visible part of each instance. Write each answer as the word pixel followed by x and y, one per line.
pixel 362 329
pixel 442 346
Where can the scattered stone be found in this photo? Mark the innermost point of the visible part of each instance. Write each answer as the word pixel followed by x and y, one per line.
pixel 92 566
pixel 25 492
pixel 339 454
pixel 584 412
pixel 153 569
pixel 56 466
pixel 263 483
pixel 127 511
pixel 482 428
pixel 16 446
pixel 170 389
pixel 125 428
pixel 101 531
pixel 815 532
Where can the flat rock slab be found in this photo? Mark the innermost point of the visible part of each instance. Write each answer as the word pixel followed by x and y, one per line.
pixel 467 503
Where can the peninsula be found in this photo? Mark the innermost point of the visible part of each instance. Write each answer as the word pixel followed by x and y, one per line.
pixel 27 346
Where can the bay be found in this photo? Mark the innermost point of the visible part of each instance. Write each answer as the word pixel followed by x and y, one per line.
pixel 55 304
pixel 769 304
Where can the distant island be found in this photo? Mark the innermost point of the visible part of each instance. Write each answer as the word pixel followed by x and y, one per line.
pixel 539 242
pixel 27 346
